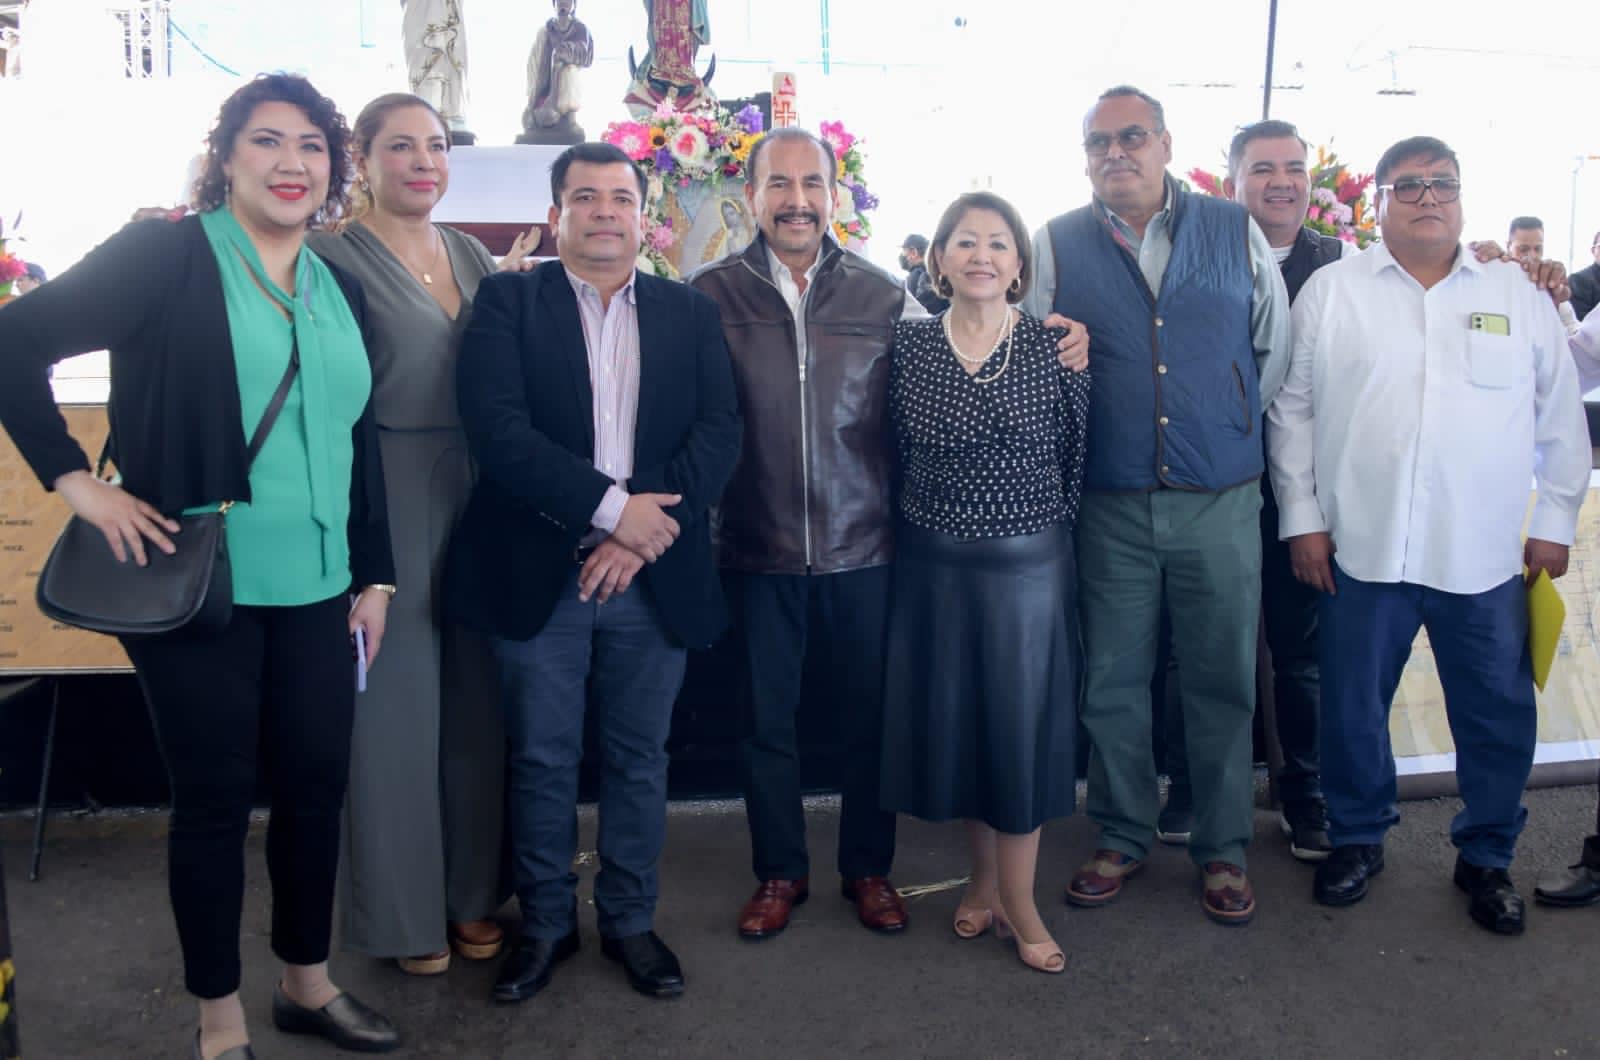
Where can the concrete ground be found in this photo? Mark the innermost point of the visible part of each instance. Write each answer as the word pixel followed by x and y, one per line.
pixel 1403 974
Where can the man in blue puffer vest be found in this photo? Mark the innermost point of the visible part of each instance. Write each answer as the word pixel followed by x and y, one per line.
pixel 1188 318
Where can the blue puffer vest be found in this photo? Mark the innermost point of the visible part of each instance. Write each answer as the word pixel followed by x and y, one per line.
pixel 1175 400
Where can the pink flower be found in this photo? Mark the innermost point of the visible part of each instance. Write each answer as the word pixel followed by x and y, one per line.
pixel 1314 213
pixel 632 138
pixel 838 139
pixel 662 238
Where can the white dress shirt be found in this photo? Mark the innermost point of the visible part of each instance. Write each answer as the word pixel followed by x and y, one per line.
pixel 1412 437
pixel 611 338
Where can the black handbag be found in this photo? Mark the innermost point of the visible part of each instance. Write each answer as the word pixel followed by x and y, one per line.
pixel 83 585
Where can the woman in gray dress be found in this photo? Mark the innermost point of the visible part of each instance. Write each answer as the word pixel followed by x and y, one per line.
pixel 422 869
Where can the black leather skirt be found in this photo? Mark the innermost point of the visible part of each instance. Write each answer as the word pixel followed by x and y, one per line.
pixel 981 692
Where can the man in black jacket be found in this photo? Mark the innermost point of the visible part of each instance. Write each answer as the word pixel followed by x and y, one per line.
pixel 600 409
pixel 913 259
pixel 1585 283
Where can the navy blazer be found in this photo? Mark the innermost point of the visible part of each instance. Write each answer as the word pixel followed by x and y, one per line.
pixel 528 410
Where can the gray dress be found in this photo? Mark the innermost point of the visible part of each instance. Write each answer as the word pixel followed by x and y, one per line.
pixel 423 837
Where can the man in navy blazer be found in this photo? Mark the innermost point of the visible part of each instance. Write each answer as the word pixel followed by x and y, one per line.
pixel 599 405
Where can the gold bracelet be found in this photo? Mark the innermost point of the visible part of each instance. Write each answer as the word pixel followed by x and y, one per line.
pixel 389 589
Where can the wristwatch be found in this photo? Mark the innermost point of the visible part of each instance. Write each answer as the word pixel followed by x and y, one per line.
pixel 391 590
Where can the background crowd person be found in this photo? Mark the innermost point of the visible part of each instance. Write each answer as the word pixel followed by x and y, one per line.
pixel 585 551
pixel 233 300
pixel 1525 243
pixel 913 255
pixel 31 279
pixel 980 714
pixel 1405 519
pixel 1165 277
pixel 423 867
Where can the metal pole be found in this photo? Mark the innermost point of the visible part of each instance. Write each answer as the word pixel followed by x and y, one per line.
pixel 1272 41
pixel 827 47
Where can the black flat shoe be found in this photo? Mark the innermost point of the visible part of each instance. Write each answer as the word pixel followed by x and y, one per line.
pixel 344 1021
pixel 1496 905
pixel 652 969
pixel 1575 886
pixel 528 967
pixel 238 1052
pixel 1343 878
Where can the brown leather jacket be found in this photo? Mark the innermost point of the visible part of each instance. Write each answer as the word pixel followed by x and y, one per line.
pixel 811 492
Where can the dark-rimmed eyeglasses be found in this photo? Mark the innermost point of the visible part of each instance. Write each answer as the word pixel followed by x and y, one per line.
pixel 1410 190
pixel 1130 139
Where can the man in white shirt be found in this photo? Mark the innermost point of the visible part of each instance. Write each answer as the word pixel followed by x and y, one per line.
pixel 1425 390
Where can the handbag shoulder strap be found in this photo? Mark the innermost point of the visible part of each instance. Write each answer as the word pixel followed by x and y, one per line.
pixel 275 406
pixel 268 418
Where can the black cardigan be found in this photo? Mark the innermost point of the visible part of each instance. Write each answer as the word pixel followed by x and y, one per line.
pixel 152 295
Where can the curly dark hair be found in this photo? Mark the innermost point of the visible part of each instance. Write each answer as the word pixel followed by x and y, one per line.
pixel 211 190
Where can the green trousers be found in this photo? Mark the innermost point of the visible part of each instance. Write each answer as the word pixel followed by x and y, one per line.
pixel 1204 551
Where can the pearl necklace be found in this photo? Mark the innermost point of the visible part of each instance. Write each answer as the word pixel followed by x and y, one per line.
pixel 1006 335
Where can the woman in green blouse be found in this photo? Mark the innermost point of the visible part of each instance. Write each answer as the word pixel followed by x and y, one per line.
pixel 198 345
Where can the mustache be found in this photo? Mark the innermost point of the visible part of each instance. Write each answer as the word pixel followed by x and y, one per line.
pixel 1119 165
pixel 799 215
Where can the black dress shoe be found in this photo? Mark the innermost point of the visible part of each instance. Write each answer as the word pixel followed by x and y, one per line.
pixel 1577 885
pixel 1343 878
pixel 651 967
pixel 1496 905
pixel 238 1052
pixel 344 1021
pixel 528 967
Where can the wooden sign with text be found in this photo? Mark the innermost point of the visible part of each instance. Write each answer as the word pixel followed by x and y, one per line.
pixel 30 520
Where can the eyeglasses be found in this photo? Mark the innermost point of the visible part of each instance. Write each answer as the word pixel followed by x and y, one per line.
pixel 1130 139
pixel 1410 190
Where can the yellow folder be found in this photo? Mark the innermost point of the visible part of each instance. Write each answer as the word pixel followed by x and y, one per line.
pixel 1546 613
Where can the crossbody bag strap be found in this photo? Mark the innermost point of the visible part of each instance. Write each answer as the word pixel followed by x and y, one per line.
pixel 268 418
pixel 275 406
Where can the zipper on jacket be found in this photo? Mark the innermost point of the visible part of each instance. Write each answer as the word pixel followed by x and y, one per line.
pixel 805 434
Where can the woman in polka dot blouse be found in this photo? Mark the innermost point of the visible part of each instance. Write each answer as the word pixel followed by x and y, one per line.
pixel 983 664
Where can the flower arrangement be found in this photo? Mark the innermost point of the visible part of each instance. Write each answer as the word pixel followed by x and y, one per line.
pixel 1339 204
pixel 675 148
pixel 851 199
pixel 12 267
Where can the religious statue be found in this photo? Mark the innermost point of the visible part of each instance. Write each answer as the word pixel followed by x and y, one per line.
pixel 436 60
pixel 562 48
pixel 676 30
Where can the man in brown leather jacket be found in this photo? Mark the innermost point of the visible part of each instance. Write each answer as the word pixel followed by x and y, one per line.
pixel 806 533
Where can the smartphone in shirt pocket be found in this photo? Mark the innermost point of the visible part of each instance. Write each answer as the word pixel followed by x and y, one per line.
pixel 1491 354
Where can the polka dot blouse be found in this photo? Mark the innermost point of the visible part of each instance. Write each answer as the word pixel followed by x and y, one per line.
pixel 986 459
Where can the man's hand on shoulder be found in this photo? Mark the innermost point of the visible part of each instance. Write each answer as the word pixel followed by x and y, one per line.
pixel 608 571
pixel 644 527
pixel 1548 276
pixel 1073 349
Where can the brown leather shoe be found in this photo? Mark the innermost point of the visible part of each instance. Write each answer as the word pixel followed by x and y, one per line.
pixel 1100 879
pixel 1228 898
pixel 767 912
pixel 878 904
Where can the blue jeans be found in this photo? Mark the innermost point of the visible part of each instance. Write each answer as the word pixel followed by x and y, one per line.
pixel 618 659
pixel 1480 643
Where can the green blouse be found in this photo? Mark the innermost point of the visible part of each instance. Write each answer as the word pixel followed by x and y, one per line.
pixel 290 545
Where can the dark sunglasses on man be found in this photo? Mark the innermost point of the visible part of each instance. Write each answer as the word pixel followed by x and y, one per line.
pixel 1129 139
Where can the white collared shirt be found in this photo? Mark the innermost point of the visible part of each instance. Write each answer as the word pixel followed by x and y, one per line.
pixel 611 339
pixel 1412 437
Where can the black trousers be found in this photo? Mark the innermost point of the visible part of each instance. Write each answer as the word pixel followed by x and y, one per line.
pixel 783 619
pixel 1289 619
pixel 271 696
